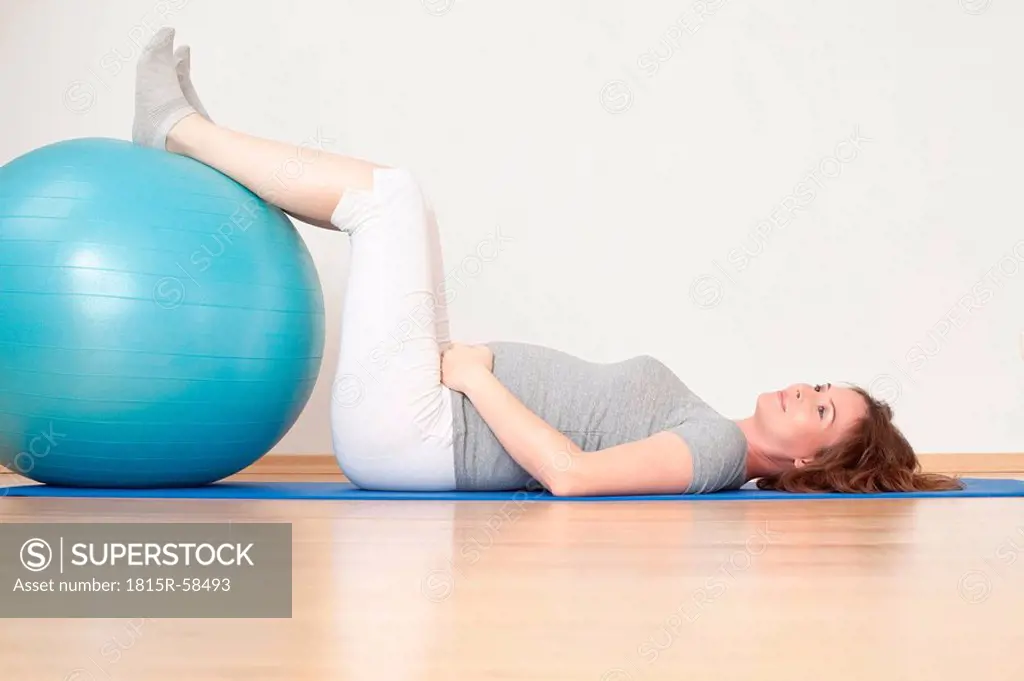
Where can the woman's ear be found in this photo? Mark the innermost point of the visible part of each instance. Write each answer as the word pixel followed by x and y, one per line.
pixel 800 463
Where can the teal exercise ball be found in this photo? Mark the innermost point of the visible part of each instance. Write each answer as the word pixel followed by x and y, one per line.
pixel 160 325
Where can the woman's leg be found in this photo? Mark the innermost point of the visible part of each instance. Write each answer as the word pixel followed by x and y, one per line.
pixel 166 119
pixel 391 416
pixel 183 67
pixel 300 180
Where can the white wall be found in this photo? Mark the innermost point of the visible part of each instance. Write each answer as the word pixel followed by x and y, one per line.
pixel 629 185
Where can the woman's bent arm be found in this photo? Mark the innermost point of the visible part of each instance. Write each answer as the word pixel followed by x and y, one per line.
pixel 660 463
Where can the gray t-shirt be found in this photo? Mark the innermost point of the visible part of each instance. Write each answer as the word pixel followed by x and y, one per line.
pixel 596 406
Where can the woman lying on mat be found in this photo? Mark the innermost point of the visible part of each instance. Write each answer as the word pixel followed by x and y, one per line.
pixel 413 411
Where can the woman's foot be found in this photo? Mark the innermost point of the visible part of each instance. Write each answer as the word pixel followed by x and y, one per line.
pixel 183 66
pixel 160 103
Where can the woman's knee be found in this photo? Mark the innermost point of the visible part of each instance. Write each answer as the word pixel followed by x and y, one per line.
pixel 395 198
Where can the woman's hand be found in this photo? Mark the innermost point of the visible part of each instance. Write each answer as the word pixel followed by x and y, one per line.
pixel 462 364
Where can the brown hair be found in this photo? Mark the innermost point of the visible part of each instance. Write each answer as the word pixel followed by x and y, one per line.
pixel 873 457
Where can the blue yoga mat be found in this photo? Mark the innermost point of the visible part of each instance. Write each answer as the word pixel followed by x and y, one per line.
pixel 332 491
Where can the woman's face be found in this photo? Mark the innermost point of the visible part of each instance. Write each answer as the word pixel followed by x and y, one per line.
pixel 800 420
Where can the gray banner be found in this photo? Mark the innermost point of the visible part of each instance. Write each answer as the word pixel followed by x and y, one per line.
pixel 224 570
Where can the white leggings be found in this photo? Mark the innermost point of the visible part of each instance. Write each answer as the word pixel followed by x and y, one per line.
pixel 391 417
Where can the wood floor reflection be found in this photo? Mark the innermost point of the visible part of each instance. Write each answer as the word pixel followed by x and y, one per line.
pixel 884 589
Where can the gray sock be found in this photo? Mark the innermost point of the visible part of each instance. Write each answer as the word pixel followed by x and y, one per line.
pixel 159 101
pixel 183 65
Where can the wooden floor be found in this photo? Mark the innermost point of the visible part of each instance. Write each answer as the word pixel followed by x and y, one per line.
pixel 919 589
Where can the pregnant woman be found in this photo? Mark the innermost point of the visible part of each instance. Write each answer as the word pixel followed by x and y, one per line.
pixel 413 411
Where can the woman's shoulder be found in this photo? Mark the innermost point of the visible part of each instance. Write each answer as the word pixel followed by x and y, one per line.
pixel 718 450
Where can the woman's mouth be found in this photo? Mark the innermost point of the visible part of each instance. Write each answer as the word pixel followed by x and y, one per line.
pixel 782 400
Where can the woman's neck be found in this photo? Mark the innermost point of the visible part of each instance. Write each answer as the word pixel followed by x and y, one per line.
pixel 759 463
